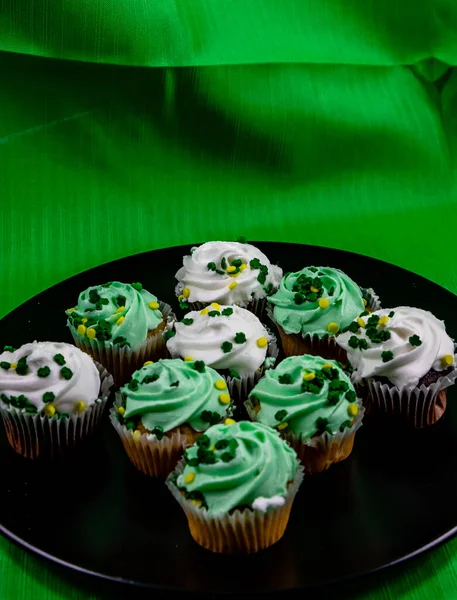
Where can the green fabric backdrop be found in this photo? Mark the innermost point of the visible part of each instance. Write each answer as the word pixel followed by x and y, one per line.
pixel 128 126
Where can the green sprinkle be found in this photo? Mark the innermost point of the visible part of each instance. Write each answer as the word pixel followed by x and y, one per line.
pixel 226 457
pixel 103 335
pixel 242 240
pixel 104 301
pixel 226 347
pixel 322 425
pixel 373 319
pixel 121 300
pixel 215 418
pixel 133 385
pixel 384 335
pixel 331 291
pixel 66 373
pixel 31 409
pixel 415 340
pixel 158 432
pixel 299 298
pixel 351 396
pixel 130 423
pixel 234 374
pixel 169 334
pixel 365 313
pixel 354 327
pixel 333 397
pixel 121 342
pixel 203 441
pixel 175 384
pixel 237 262
pixel 261 278
pixel 221 444
pixel 48 397
pixel 219 272
pixel 285 379
pixel 59 359
pixel 5 365
pixel 146 380
pixel 240 338
pixel 387 355
pixel 338 384
pixel 353 342
pixel 137 286
pixel 199 366
pixel 227 312
pixel 22 366
pixel 214 313
pixel 4 398
pixel 363 344
pixel 391 314
pixel 345 424
pixel 311 297
pixel 223 263
pixel 94 296
pixel 254 263
pixel 310 388
pixel 206 456
pixel 313 269
pixel 317 282
pixel 43 372
pixel 211 266
pixel 9 349
pixel 269 289
pixel 280 415
pixel 193 462
pixel 187 321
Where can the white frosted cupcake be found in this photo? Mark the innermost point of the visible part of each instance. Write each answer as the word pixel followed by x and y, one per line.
pixel 404 360
pixel 52 395
pixel 229 339
pixel 228 273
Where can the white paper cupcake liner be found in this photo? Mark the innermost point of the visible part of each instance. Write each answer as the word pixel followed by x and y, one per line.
pixel 241 531
pixel 372 298
pixel 123 362
pixel 38 436
pixel 419 407
pixel 321 451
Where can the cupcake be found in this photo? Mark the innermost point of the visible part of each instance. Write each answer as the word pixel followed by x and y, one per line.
pixel 236 485
pixel 313 305
pixel 229 339
pixel 403 360
pixel 166 407
pixel 312 402
pixel 227 273
pixel 52 396
pixel 121 325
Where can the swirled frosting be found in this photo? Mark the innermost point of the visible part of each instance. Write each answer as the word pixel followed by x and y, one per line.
pixel 316 300
pixel 306 395
pixel 227 272
pixel 231 466
pixel 50 377
pixel 402 344
pixel 170 392
pixel 115 313
pixel 224 337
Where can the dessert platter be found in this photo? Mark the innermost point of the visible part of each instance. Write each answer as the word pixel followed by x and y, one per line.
pixel 281 412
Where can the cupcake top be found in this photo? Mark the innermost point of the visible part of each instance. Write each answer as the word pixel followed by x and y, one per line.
pixel 119 314
pixel 306 395
pixel 48 378
pixel 226 272
pixel 402 344
pixel 316 300
pixel 224 337
pixel 170 392
pixel 231 466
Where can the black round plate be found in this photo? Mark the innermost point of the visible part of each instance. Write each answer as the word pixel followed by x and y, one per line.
pixel 394 497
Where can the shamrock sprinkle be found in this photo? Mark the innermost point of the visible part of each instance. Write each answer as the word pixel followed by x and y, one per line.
pixel 214 313
pixel 255 263
pixel 226 347
pixel 137 286
pixel 234 374
pixel 211 266
pixel 285 379
pixel 121 341
pixel 280 415
pixel 158 432
pixel 222 444
pixel 391 314
pixel 240 338
pixel 133 385
pixel 227 312
pixel 415 340
pixel 22 367
pixel 43 372
pixel 187 321
pixel 199 366
pixel 387 355
pixel 5 365
pixel 223 263
pixel 121 300
pixel 169 334
pixel 59 359
pixel 353 342
pixel 146 380
pixel 66 373
pixel 48 397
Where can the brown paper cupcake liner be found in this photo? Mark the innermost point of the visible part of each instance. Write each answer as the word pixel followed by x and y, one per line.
pixel 241 531
pixel 37 436
pixel 123 362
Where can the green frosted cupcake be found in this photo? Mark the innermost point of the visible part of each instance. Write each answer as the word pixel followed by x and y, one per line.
pixel 312 402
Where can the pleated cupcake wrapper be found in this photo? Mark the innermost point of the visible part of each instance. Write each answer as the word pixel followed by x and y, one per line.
pixel 241 532
pixel 123 362
pixel 321 451
pixel 419 407
pixel 256 306
pixel 151 456
pixel 38 436
pixel 296 344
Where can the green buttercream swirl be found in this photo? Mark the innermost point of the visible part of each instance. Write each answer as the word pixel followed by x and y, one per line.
pixel 260 464
pixel 285 397
pixel 343 294
pixel 161 403
pixel 102 316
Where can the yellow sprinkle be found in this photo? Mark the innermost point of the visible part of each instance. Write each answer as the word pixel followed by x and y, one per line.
pixel 283 426
pixel 49 410
pixel 309 376
pixel 353 410
pixel 190 477
pixel 364 301
pixel 188 359
pixel 262 342
pixel 181 298
pixel 220 384
pixel 80 406
pixel 148 362
pixel 81 329
pixel 229 422
pixel 231 269
pixel 232 285
pixel 69 310
pixel 205 311
pixel 328 366
pixel 197 503
pixel 446 361
pixel 13 365
pixel 383 321
pixel 136 435
pixel 333 327
pixel 120 321
pixel 120 309
pixel 186 292
pixel 91 333
pixel 314 289
pixel 153 305
pixel 121 410
pixel 84 320
pixel 235 274
pixel 216 306
pixel 323 302
pixel 243 267
pixel 224 399
pixel 360 322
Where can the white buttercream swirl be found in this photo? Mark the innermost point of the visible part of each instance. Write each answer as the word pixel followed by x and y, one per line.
pixel 208 286
pixel 410 362
pixel 204 337
pixel 84 384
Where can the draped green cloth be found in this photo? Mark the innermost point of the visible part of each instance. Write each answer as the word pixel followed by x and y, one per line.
pixel 128 126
